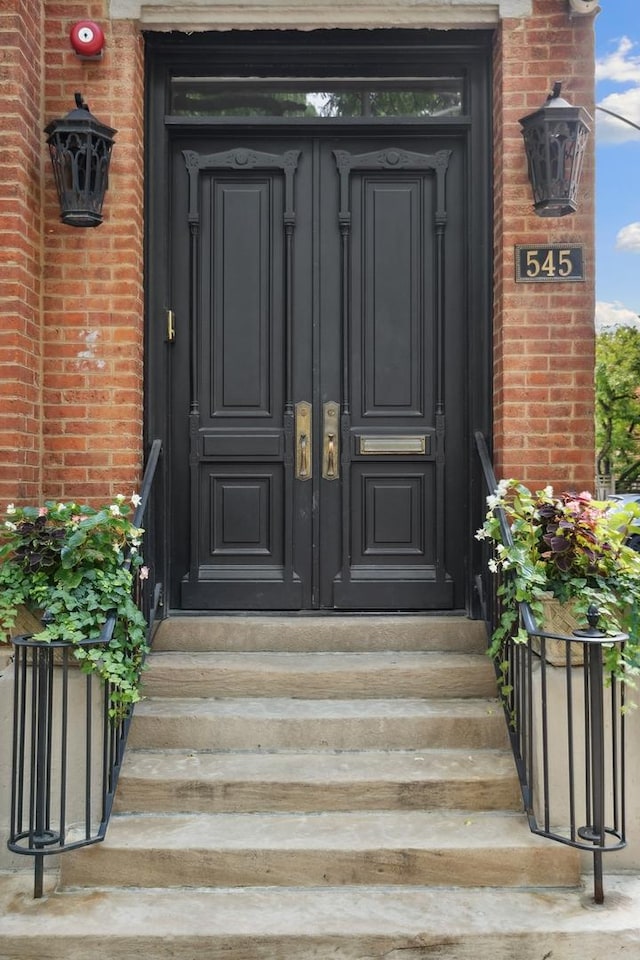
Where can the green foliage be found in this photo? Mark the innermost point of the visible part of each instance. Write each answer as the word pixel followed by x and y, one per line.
pixel 69 561
pixel 388 103
pixel 572 547
pixel 617 381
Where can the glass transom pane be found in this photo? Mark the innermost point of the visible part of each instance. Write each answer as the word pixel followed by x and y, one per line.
pixel 316 99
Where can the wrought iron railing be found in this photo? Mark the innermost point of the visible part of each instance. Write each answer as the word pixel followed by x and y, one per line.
pixel 67 749
pixel 566 723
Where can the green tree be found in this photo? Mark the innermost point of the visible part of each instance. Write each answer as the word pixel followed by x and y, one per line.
pixel 617 380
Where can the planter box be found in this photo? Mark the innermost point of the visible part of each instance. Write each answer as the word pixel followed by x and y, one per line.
pixel 559 618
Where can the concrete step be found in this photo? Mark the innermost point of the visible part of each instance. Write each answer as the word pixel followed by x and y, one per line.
pixel 184 781
pixel 319 675
pixel 345 923
pixel 333 633
pixel 390 847
pixel 283 723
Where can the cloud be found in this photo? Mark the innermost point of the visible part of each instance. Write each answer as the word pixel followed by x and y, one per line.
pixel 611 315
pixel 622 67
pixel 629 238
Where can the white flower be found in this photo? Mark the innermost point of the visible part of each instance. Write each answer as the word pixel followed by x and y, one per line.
pixel 502 487
pixel 144 573
pixel 493 566
pixel 134 549
pixel 119 497
pixel 10 509
pixel 10 526
pixel 136 499
pixel 114 509
pixel 548 491
pixel 481 534
pixel 492 501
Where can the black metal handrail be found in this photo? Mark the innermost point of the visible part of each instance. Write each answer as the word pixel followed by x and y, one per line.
pixel 558 701
pixel 67 748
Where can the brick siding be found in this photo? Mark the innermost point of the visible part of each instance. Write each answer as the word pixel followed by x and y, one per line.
pixel 543 333
pixel 20 260
pixel 93 278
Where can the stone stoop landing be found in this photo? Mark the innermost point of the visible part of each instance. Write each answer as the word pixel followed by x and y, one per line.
pixel 318 788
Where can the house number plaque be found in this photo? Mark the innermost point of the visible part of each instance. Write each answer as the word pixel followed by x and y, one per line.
pixel 558 261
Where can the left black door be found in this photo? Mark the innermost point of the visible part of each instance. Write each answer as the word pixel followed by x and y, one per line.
pixel 312 368
pixel 247 525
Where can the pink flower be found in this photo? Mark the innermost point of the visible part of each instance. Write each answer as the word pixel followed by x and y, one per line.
pixel 144 573
pixel 42 512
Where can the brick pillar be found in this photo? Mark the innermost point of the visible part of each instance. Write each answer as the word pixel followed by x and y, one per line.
pixel 20 259
pixel 93 278
pixel 543 333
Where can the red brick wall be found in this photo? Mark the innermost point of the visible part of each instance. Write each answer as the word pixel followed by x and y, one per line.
pixel 20 253
pixel 543 333
pixel 93 278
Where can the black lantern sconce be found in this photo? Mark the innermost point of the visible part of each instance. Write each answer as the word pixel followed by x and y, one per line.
pixel 80 148
pixel 555 137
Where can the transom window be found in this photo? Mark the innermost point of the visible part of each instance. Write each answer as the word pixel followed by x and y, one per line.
pixel 325 98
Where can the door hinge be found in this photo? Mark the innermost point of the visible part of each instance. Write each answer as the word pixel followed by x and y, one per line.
pixel 171 326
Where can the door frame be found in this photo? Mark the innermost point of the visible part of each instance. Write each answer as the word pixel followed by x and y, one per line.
pixel 365 51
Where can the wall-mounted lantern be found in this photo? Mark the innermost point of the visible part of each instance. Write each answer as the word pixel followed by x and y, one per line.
pixel 80 148
pixel 555 137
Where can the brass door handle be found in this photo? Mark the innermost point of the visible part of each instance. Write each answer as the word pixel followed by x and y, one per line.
pixel 331 456
pixel 330 441
pixel 304 456
pixel 303 440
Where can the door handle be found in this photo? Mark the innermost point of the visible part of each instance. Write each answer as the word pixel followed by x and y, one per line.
pixel 331 455
pixel 303 440
pixel 330 442
pixel 304 457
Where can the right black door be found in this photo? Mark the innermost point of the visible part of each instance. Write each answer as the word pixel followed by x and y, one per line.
pixel 323 390
pixel 390 303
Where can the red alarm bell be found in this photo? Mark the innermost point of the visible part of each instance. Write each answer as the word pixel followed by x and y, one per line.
pixel 87 39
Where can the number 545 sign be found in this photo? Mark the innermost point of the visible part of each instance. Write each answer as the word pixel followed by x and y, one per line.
pixel 559 262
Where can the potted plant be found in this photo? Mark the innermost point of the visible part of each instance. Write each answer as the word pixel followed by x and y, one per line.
pixel 571 549
pixel 77 564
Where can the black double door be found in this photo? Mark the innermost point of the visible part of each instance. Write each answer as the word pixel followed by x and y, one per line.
pixel 318 374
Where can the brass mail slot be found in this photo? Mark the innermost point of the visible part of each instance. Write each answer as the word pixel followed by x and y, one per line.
pixel 393 445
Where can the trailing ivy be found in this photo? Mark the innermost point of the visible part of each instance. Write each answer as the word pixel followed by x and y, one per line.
pixel 79 564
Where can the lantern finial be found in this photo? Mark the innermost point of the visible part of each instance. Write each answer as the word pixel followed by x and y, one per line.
pixel 555 93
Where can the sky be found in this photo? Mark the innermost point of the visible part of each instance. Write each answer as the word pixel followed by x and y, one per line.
pixel 618 163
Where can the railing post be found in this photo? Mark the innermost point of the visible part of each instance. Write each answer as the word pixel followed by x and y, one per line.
pixel 596 690
pixel 595 831
pixel 41 739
